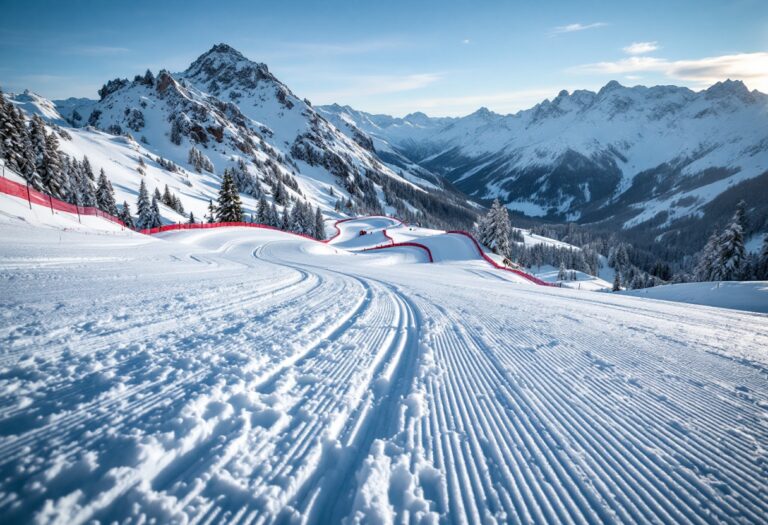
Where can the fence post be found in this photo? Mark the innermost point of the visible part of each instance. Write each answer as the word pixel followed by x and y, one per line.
pixel 29 197
pixel 77 209
pixel 50 202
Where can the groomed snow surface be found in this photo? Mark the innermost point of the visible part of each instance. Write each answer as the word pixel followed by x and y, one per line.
pixel 238 375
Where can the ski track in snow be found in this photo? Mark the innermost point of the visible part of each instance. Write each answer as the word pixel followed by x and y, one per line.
pixel 246 376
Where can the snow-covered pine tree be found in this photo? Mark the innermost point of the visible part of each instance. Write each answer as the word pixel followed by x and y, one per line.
pixel 199 161
pixel 105 197
pixel 319 232
pixel 484 230
pixel 229 208
pixel 54 175
pixel 762 261
pixel 167 199
pixel 285 220
pixel 706 269
pixel 143 208
pixel 274 217
pixel 38 142
pixel 731 253
pixel 262 211
pixel 86 193
pixel 561 275
pixel 191 218
pixel 125 215
pixel 298 218
pixel 211 216
pixel 177 205
pixel 280 194
pixel 155 217
pixel 617 281
pixel 244 180
pixel 87 170
pixel 19 145
pixel 495 229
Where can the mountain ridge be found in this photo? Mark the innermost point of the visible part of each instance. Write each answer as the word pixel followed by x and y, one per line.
pixel 626 157
pixel 239 116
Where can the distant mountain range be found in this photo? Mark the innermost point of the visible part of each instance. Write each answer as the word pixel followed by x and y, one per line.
pixel 660 164
pixel 238 115
pixel 663 158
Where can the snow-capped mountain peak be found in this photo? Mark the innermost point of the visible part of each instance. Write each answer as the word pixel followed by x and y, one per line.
pixel 225 66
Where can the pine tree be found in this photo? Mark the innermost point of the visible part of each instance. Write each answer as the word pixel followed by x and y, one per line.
pixel 262 211
pixel 38 141
pixel 87 169
pixel 54 175
pixel 274 217
pixel 617 282
pixel 495 229
pixel 167 199
pixel 17 146
pixel 706 267
pixel 732 255
pixel 211 217
pixel 279 193
pixel 762 263
pixel 319 232
pixel 105 196
pixel 156 218
pixel 561 276
pixel 144 208
pixel 285 221
pixel 125 215
pixel 229 207
pixel 191 218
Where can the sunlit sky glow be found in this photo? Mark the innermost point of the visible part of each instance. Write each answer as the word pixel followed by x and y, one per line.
pixel 443 58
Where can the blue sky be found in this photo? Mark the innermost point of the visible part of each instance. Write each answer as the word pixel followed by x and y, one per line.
pixel 443 58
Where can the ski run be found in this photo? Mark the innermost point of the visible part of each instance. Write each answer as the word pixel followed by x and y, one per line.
pixel 242 375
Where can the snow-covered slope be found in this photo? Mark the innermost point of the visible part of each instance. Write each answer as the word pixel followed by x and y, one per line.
pixel 239 376
pixel 235 112
pixel 635 155
pixel 751 296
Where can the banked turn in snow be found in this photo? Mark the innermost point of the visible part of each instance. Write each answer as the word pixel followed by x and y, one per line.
pixel 239 375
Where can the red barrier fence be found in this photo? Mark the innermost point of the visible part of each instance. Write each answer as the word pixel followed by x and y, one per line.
pixel 338 231
pixel 406 244
pixel 205 226
pixel 488 259
pixel 386 236
pixel 33 196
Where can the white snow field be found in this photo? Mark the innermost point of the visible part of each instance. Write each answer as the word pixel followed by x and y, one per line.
pixel 238 375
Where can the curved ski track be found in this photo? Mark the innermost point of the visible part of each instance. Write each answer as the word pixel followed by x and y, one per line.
pixel 273 387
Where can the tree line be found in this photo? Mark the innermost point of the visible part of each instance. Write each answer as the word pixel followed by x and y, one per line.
pixel 30 150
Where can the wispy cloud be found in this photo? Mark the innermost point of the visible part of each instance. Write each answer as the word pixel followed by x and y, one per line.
pixel 95 51
pixel 572 28
pixel 312 50
pixel 640 48
pixel 465 41
pixel 500 102
pixel 752 68
pixel 366 85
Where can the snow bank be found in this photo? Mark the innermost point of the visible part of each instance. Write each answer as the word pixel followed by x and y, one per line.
pixel 751 296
